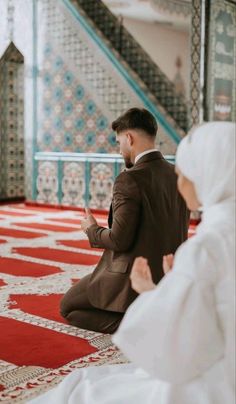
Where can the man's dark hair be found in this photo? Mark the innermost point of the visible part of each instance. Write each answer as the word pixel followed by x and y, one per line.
pixel 136 118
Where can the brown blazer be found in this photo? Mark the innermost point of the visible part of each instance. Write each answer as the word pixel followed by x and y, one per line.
pixel 149 219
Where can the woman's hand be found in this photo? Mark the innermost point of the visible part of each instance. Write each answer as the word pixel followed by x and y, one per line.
pixel 167 263
pixel 141 278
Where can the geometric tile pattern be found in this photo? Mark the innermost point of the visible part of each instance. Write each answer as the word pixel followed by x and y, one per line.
pixel 97 80
pixel 85 56
pixel 73 184
pixel 11 124
pixel 101 185
pixel 71 120
pixel 83 181
pixel 196 63
pixel 87 181
pixel 78 96
pixel 47 182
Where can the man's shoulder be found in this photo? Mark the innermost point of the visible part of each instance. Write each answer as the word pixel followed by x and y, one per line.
pixel 139 171
pixel 130 176
pixel 125 176
pixel 126 182
pixel 161 166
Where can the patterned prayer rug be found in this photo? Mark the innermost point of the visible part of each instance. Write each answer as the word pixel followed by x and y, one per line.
pixel 42 254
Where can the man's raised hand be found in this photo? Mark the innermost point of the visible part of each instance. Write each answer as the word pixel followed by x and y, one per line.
pixel 88 220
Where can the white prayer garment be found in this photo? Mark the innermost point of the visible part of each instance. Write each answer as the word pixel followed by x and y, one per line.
pixel 180 336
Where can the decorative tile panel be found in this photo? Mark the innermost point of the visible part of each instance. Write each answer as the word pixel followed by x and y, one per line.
pixel 12 124
pixel 47 182
pixel 73 121
pixel 73 184
pixel 101 184
pixel 78 179
pixel 196 62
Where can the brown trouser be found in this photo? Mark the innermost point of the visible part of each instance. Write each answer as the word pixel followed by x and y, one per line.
pixel 78 311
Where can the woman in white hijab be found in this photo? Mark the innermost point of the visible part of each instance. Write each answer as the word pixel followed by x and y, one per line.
pixel 179 335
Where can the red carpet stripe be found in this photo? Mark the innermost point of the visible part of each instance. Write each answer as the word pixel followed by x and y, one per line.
pixel 17 267
pixel 2 241
pixel 36 208
pixel 43 306
pixel 9 213
pixel 67 257
pixel 45 226
pixel 38 346
pixel 20 233
pixel 84 244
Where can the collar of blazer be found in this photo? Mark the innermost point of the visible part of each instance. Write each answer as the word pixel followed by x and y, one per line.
pixel 155 155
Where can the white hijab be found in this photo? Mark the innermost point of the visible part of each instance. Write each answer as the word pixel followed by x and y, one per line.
pixel 207 158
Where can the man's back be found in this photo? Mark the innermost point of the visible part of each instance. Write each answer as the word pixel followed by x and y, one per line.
pixel 150 219
pixel 164 223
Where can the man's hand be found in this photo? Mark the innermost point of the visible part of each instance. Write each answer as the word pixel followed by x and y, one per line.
pixel 88 220
pixel 141 278
pixel 168 262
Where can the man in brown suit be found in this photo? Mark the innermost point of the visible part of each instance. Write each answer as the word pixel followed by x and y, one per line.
pixel 148 218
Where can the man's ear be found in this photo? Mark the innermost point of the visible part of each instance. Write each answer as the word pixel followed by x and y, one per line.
pixel 130 138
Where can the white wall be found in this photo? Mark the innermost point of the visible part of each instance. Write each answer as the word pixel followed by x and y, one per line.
pixel 164 44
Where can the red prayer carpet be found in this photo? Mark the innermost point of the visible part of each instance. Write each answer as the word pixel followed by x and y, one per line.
pixel 43 252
